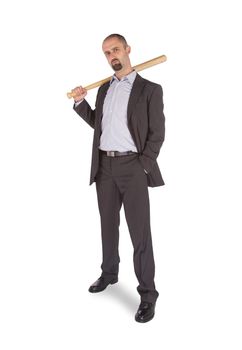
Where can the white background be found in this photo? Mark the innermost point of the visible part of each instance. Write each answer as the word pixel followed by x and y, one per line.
pixel 50 249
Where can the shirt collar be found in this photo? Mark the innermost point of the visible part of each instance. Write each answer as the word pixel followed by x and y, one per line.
pixel 130 77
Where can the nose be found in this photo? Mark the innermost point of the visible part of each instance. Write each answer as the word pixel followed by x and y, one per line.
pixel 112 57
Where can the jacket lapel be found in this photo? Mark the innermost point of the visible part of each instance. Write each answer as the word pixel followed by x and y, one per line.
pixel 101 98
pixel 134 95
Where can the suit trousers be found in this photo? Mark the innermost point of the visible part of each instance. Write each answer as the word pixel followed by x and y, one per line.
pixel 122 180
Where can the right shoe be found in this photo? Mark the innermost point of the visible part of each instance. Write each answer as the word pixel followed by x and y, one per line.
pixel 101 284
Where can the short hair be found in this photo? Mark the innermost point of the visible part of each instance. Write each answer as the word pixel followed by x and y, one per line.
pixel 119 37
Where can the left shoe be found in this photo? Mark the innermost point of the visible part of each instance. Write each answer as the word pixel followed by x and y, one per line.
pixel 101 284
pixel 146 312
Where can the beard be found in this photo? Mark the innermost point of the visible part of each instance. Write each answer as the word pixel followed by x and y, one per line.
pixel 117 65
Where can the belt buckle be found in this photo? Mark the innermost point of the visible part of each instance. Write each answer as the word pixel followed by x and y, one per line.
pixel 111 153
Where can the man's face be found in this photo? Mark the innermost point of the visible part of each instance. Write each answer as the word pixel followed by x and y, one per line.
pixel 116 54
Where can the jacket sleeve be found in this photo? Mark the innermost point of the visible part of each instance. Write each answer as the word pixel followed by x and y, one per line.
pixel 156 129
pixel 86 112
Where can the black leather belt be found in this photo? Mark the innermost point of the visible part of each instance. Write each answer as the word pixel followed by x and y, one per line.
pixel 116 153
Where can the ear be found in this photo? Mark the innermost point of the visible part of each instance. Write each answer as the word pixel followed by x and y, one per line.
pixel 128 49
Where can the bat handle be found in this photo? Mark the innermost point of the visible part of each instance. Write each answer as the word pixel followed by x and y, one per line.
pixel 91 86
pixel 70 94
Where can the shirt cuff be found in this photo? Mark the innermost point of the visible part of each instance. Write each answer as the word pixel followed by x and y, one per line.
pixel 78 103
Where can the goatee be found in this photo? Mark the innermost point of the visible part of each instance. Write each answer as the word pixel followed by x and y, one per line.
pixel 117 66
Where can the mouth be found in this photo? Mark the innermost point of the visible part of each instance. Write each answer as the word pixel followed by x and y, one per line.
pixel 114 61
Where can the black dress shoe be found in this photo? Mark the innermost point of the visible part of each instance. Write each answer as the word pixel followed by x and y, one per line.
pixel 101 284
pixel 146 312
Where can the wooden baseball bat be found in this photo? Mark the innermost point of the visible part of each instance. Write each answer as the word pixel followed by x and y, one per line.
pixel 138 68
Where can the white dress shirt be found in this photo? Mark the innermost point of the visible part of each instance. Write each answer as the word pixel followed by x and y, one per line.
pixel 115 132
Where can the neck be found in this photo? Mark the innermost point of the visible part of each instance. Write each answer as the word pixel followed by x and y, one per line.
pixel 123 72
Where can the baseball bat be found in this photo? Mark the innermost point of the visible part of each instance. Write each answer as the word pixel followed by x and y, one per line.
pixel 137 68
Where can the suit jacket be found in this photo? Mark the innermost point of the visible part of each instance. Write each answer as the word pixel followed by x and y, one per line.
pixel 146 123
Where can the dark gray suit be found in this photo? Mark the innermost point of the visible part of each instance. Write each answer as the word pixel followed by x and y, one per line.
pixel 122 180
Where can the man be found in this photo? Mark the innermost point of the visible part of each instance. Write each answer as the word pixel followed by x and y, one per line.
pixel 129 128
